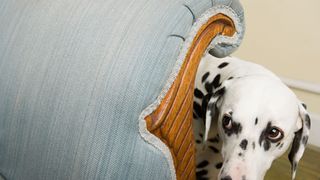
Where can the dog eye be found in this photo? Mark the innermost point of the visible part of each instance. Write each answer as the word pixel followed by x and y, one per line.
pixel 227 121
pixel 275 134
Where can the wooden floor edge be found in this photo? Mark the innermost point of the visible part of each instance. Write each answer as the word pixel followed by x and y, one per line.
pixel 313 147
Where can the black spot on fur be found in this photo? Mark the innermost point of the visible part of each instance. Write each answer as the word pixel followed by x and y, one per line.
pixel 281 145
pixel 230 78
pixel 278 144
pixel 205 76
pixel 226 178
pixel 216 81
pixel 222 65
pixel 198 93
pixel 304 105
pixel 256 121
pixel 204 104
pixel 208 87
pixel 214 149
pixel 240 154
pixel 305 140
pixel 201 173
pixel 214 84
pixel 263 140
pixel 220 92
pixel 307 121
pixel 244 144
pixel 203 164
pixel 295 146
pixel 266 145
pixel 197 110
pixel 236 129
pixel 219 165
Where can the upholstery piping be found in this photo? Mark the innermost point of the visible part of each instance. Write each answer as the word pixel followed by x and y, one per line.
pixel 234 40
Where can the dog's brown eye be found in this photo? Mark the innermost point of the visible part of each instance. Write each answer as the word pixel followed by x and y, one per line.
pixel 227 121
pixel 275 134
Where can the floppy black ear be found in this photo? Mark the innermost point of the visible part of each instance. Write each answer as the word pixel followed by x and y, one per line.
pixel 300 139
pixel 212 110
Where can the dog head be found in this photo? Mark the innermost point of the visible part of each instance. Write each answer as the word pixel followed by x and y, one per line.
pixel 258 118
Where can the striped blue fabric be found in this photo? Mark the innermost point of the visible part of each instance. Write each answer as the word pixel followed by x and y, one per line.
pixel 75 76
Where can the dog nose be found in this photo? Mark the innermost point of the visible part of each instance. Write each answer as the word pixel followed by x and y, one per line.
pixel 226 178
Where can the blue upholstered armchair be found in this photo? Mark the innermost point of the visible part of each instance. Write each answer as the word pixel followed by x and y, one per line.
pixel 102 89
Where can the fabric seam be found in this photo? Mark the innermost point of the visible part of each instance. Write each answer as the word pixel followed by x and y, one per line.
pixel 235 39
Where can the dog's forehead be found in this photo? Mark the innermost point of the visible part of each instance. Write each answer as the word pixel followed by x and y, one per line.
pixel 251 98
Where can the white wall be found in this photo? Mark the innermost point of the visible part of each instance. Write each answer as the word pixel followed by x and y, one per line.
pixel 284 36
pixel 314 134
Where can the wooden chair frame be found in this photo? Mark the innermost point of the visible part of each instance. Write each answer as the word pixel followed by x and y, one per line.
pixel 172 120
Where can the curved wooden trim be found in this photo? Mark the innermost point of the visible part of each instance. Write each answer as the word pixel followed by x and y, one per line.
pixel 172 120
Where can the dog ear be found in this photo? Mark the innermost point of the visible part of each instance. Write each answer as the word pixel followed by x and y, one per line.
pixel 300 139
pixel 211 110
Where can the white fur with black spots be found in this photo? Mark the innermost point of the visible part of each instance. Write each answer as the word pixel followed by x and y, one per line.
pixel 244 118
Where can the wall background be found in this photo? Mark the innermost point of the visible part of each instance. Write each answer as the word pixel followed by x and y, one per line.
pixel 284 36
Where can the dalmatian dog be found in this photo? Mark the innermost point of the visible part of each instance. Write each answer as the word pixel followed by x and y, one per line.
pixel 244 118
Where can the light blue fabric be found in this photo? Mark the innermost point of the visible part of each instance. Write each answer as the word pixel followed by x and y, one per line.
pixel 223 49
pixel 74 77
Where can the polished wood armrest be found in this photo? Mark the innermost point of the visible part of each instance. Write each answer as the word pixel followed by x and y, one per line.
pixel 172 120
